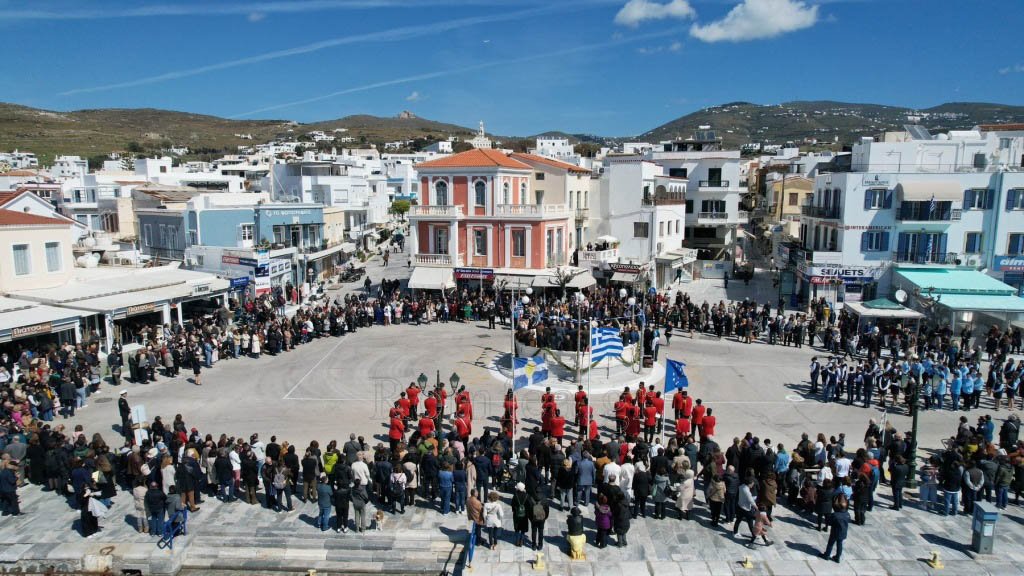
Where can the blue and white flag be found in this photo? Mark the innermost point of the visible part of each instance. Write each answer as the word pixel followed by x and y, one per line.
pixel 675 376
pixel 931 237
pixel 529 371
pixel 605 343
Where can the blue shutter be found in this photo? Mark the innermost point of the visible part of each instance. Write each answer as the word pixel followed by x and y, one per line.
pixel 968 199
pixel 884 244
pixel 922 247
pixel 864 241
pixel 1011 198
pixel 867 199
pixel 888 199
pixel 942 245
pixel 902 243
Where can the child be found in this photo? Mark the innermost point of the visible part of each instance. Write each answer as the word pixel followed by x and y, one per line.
pixel 761 525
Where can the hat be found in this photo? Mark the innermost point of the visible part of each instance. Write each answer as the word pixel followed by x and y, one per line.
pixel 194 429
pixel 151 453
pixel 123 392
pixel 520 487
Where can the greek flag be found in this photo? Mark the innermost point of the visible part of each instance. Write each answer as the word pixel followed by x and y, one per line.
pixel 529 371
pixel 604 343
pixel 931 237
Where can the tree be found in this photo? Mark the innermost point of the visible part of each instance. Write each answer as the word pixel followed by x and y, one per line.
pixel 564 275
pixel 134 147
pixel 400 207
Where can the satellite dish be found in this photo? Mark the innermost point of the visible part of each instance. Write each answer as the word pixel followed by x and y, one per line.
pixel 901 296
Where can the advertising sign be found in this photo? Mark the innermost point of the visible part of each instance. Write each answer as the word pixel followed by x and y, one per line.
pixel 1009 264
pixel 474 273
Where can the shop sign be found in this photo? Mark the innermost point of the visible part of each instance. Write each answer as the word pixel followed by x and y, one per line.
pixel 140 309
pixel 238 260
pixel 239 283
pixel 33 330
pixel 627 268
pixel 1009 264
pixel 303 212
pixel 474 273
pixel 875 181
pixel 781 253
pixel 262 285
pixel 278 267
pixel 851 272
pixel 200 289
pixel 827 280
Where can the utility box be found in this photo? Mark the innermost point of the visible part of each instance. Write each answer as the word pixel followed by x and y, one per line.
pixel 983 527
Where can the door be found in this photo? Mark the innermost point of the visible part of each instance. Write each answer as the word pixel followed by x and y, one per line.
pixel 296 236
pixel 714 176
pixel 441 240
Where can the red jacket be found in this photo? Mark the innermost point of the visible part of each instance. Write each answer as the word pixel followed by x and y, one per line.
pixel 558 426
pixel 707 426
pixel 426 426
pixel 621 409
pixel 698 415
pixel 580 395
pixel 461 427
pixel 397 429
pixel 593 430
pixel 395 412
pixel 659 404
pixel 650 416
pixel 413 393
pixel 682 426
pixel 677 400
pixel 405 404
pixel 430 404
pixel 467 409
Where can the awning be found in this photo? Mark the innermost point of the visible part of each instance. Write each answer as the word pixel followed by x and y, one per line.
pixel 607 238
pixel 513 282
pixel 865 310
pixel 424 278
pixel 625 277
pixel 23 319
pixel 348 248
pixel 975 303
pixel 678 256
pixel 941 190
pixel 949 281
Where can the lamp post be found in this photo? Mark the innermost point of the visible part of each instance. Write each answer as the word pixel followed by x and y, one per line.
pixel 579 335
pixel 454 379
pixel 422 380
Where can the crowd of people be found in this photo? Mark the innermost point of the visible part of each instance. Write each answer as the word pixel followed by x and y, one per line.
pixel 653 460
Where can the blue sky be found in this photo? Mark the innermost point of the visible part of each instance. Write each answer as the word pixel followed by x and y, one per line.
pixel 611 67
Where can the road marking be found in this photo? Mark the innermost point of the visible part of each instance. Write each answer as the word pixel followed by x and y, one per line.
pixel 315 366
pixel 795 398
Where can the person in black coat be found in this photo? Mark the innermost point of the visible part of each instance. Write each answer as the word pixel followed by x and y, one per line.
pixel 823 505
pixel 620 520
pixel 641 490
pixel 341 479
pixel 250 476
pixel 839 525
pixel 898 472
pixel 225 475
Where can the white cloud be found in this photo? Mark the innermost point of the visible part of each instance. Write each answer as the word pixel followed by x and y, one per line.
pixel 637 11
pixel 675 46
pixel 1014 68
pixel 755 19
pixel 256 16
pixel 414 97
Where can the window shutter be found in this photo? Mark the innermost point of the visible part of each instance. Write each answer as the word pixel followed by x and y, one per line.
pixel 867 199
pixel 888 199
pixel 902 243
pixel 864 241
pixel 884 244
pixel 968 199
pixel 1011 199
pixel 942 244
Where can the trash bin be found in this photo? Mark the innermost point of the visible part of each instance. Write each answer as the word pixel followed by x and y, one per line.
pixel 983 527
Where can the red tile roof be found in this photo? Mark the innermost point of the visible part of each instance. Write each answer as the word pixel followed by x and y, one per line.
pixel 20 173
pixel 550 162
pixel 13 218
pixel 6 197
pixel 476 158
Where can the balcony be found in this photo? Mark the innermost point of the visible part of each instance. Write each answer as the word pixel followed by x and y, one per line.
pixel 447 212
pixel 918 212
pixel 925 258
pixel 721 218
pixel 531 211
pixel 435 260
pixel 665 199
pixel 713 185
pixel 610 255
pixel 582 215
pixel 830 212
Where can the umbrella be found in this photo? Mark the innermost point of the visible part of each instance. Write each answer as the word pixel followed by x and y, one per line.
pixel 607 238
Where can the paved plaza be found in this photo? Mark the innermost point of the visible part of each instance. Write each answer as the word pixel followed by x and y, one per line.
pixel 333 386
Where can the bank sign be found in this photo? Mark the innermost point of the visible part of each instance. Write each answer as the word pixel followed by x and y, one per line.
pixel 1009 264
pixel 850 275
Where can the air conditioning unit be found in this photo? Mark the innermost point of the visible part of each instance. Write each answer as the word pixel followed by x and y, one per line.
pixel 974 261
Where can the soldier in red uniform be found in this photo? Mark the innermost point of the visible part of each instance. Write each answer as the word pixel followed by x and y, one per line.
pixel 547 396
pixel 634 421
pixel 641 395
pixel 465 406
pixel 682 428
pixel 547 412
pixel 584 414
pixel 621 411
pixel 558 426
pixel 426 425
pixel 462 429
pixel 396 411
pixel 413 392
pixel 396 433
pixel 659 404
pixel 580 397
pixel 627 395
pixel 698 415
pixel 430 406
pixel 682 404
pixel 512 406
pixel 406 406
pixel 650 421
pixel 442 403
pixel 707 428
pixel 461 397
pixel 593 430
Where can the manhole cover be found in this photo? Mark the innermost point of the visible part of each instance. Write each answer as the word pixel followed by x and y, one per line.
pixel 102 400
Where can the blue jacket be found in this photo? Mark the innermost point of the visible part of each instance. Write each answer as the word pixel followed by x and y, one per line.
pixel 840 524
pixel 586 471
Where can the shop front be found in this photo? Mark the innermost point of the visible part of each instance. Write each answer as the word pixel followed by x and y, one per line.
pixel 837 283
pixel 26 325
pixel 628 275
pixel 1011 268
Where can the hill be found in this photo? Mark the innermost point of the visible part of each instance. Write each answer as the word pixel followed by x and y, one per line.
pixel 98 132
pixel 828 122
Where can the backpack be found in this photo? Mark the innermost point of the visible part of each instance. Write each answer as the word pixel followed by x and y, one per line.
pixel 279 479
pixel 408 475
pixel 538 512
pixel 520 507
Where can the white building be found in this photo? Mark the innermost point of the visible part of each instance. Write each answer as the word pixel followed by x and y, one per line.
pixel 18 160
pixel 481 141
pixel 66 167
pixel 951 201
pixel 557 148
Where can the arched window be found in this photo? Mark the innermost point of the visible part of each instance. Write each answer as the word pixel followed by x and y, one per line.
pixel 480 190
pixel 522 193
pixel 506 193
pixel 441 193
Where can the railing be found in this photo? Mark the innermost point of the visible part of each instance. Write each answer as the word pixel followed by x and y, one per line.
pixel 582 213
pixel 432 260
pixel 166 253
pixel 531 210
pixel 742 216
pixel 713 183
pixel 820 211
pixel 599 255
pixel 930 258
pixel 436 211
pixel 917 213
pixel 665 199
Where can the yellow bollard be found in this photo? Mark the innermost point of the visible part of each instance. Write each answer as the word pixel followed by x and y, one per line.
pixel 311 572
pixel 935 562
pixel 538 562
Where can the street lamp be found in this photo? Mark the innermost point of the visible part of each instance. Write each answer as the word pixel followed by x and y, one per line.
pixel 579 298
pixel 422 380
pixel 454 379
pixel 622 292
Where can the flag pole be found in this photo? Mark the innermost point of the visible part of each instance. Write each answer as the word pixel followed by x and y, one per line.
pixel 590 368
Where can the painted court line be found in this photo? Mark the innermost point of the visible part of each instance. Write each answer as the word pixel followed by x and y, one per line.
pixel 315 366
